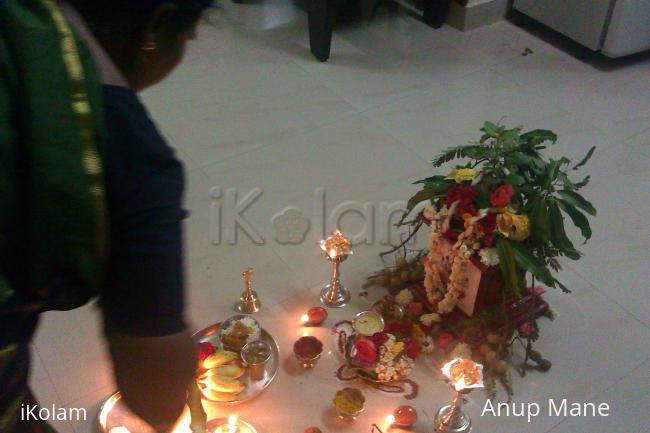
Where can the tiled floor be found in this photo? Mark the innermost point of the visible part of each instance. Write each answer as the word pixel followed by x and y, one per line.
pixel 251 108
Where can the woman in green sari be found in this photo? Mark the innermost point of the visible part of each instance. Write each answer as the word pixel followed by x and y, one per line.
pixel 90 194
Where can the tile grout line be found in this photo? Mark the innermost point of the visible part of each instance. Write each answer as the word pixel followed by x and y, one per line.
pixel 54 387
pixel 606 295
pixel 605 391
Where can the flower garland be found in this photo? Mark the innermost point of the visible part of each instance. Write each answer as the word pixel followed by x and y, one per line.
pixel 456 260
pixel 454 263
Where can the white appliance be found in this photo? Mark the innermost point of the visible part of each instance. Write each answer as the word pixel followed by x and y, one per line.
pixel 614 27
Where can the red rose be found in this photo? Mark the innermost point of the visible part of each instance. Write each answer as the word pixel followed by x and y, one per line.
pixel 203 350
pixel 411 348
pixel 444 340
pixel 415 309
pixel 465 195
pixel 501 196
pixel 366 350
pixel 379 338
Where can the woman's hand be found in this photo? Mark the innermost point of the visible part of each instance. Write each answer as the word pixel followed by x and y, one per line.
pixel 152 374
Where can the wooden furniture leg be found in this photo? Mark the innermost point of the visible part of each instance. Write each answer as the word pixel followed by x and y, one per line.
pixel 435 12
pixel 320 14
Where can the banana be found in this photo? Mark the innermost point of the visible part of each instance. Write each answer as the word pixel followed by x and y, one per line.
pixel 221 357
pixel 224 384
pixel 233 370
pixel 205 374
pixel 213 395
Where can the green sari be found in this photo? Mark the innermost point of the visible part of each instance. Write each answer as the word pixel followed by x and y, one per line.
pixel 53 220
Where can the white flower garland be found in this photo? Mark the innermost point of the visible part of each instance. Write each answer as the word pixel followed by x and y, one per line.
pixel 392 366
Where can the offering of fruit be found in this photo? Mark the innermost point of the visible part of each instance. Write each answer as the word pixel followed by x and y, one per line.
pixel 224 384
pixel 234 371
pixel 221 357
pixel 219 377
pixel 223 397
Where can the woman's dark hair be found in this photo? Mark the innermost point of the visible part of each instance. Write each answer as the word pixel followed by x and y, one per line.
pixel 126 18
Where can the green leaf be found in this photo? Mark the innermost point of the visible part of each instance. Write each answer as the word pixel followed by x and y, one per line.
pixel 522 159
pixel 530 263
pixel 585 159
pixel 578 218
pixel 514 179
pixel 552 170
pixel 507 264
pixel 564 288
pixel 420 196
pixel 457 152
pixel 539 219
pixel 510 138
pixel 578 201
pixel 433 180
pixel 491 129
pixel 558 235
pixel 582 183
pixel 537 136
pixel 568 184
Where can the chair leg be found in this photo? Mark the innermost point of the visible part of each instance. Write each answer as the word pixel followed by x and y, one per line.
pixel 320 14
pixel 435 12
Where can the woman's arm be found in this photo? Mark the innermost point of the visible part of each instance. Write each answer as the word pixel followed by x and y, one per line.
pixel 143 296
pixel 152 373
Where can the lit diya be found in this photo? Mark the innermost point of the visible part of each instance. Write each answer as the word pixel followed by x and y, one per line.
pixel 336 245
pixel 232 424
pixel 337 249
pixel 464 375
pixel 315 316
pixel 368 323
pixel 404 416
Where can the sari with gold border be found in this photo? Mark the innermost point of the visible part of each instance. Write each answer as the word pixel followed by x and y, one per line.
pixel 53 220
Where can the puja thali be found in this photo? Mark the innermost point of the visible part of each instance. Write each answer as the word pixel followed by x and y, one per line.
pixel 253 388
pixel 115 417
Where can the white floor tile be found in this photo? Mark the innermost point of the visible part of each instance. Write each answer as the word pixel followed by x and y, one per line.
pixel 82 365
pixel 628 400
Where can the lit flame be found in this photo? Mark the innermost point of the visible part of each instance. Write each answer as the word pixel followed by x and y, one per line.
pixel 336 244
pixel 463 369
pixel 232 423
pixel 304 318
pixel 390 420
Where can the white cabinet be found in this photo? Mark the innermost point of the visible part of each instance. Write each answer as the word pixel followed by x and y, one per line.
pixel 615 27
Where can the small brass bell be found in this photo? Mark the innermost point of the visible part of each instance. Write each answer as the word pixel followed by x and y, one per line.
pixel 250 303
